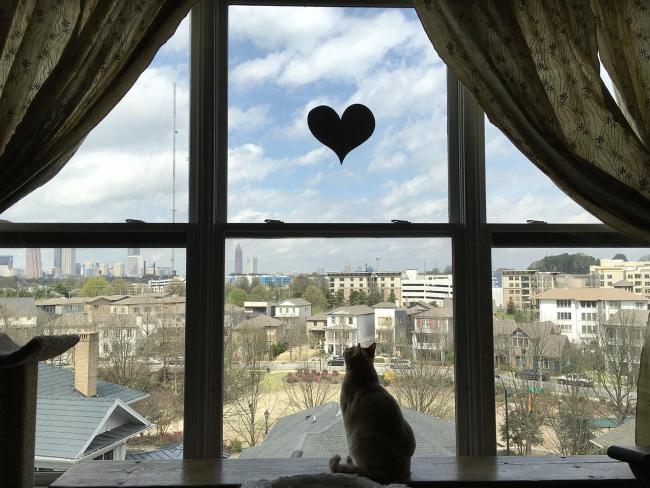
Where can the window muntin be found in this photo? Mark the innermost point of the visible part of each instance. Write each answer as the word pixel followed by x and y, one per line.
pixel 279 69
pixel 124 167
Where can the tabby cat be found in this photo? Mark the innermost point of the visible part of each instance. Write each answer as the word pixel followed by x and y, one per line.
pixel 380 441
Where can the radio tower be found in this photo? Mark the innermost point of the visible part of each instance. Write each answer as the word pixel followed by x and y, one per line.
pixel 174 131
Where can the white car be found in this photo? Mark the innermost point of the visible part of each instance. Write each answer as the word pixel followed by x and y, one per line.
pixel 574 379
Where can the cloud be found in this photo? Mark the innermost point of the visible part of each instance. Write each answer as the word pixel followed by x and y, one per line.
pixel 247 119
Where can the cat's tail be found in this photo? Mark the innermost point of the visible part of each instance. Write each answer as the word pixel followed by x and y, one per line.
pixel 336 466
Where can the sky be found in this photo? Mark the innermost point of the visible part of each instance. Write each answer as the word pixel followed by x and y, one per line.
pixel 284 61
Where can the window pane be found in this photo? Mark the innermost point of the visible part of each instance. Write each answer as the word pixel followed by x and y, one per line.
pixel 292 308
pixel 125 167
pixel 124 378
pixel 568 331
pixel 285 61
pixel 518 191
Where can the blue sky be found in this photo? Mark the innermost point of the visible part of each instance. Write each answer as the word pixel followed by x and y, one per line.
pixel 283 62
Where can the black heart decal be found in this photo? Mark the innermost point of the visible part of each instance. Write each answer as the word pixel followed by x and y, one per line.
pixel 343 134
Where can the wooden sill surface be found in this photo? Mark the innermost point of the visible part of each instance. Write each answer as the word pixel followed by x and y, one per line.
pixel 488 471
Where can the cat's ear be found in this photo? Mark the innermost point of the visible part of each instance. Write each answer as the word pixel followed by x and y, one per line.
pixel 371 349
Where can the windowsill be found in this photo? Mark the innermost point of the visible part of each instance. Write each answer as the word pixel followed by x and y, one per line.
pixel 486 471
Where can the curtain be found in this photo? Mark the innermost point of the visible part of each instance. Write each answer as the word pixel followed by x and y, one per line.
pixel 64 64
pixel 534 68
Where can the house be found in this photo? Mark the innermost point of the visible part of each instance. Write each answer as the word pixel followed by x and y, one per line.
pixel 319 432
pixel 79 417
pixel 252 308
pixel 433 331
pixel 275 329
pixel 293 308
pixel 578 311
pixel 536 345
pixel 622 435
pixel 18 312
pixel 316 329
pixel 348 326
pixel 623 335
pixel 390 327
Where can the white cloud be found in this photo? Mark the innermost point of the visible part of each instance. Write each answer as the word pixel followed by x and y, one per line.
pixel 247 119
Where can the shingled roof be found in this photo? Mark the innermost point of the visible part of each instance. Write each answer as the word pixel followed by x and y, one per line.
pixel 319 432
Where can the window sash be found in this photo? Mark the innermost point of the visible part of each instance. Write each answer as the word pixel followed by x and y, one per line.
pixel 205 235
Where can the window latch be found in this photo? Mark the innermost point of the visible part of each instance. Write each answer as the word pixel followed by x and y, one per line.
pixel 532 221
pixel 134 221
pixel 273 221
pixel 397 221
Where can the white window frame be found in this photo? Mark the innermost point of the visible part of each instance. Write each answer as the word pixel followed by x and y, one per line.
pixel 205 234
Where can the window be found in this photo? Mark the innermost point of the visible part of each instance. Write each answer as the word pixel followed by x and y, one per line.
pixel 218 213
pixel 563 303
pixel 564 315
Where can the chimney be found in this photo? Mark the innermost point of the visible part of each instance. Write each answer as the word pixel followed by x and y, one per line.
pixel 85 363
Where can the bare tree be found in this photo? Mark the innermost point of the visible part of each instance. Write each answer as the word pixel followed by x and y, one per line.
pixel 296 336
pixel 307 389
pixel 569 413
pixel 618 347
pixel 427 388
pixel 162 407
pixel 243 414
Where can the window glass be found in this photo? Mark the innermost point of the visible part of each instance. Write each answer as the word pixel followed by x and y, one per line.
pixel 281 367
pixel 572 386
pixel 124 169
pixel 285 61
pixel 130 354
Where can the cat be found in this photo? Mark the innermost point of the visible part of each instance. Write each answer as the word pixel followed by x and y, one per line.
pixel 380 441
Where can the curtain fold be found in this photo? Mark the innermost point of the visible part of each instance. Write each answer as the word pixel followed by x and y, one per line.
pixel 534 68
pixel 64 64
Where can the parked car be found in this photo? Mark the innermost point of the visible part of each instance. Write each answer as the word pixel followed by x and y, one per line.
pixel 396 363
pixel 529 374
pixel 336 361
pixel 574 379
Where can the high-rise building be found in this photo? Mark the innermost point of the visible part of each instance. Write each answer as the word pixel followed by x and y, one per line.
pixel 69 261
pixel 135 266
pixel 133 251
pixel 251 266
pixel 34 267
pixel 6 265
pixel 119 269
pixel 58 253
pixel 239 268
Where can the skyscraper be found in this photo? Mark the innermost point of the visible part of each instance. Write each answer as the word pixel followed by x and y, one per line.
pixel 251 265
pixel 133 251
pixel 6 265
pixel 58 253
pixel 69 261
pixel 34 267
pixel 239 268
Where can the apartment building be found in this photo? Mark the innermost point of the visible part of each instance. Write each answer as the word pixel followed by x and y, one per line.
pixel 425 287
pixel 610 272
pixel 519 285
pixel 348 326
pixel 386 282
pixel 433 332
pixel 579 311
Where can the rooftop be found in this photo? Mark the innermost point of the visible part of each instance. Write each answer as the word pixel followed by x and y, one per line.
pixel 589 294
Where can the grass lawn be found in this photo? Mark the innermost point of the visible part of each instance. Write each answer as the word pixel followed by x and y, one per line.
pixel 500 314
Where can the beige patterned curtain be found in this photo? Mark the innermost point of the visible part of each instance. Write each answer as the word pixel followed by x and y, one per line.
pixel 534 68
pixel 64 64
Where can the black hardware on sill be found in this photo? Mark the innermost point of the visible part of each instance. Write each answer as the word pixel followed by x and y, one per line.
pixel 397 221
pixel 134 221
pixel 273 221
pixel 531 221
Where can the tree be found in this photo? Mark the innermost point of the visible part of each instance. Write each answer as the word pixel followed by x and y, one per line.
pixel 315 296
pixel 243 415
pixel 569 419
pixel 392 298
pixel 354 297
pixel 374 297
pixel 565 263
pixel 94 287
pixel 296 336
pixel 162 407
pixel 120 286
pixel 526 414
pixel 307 389
pixel 426 388
pixel 299 285
pixel 617 349
pixel 260 293
pixel 237 296
pixel 620 256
